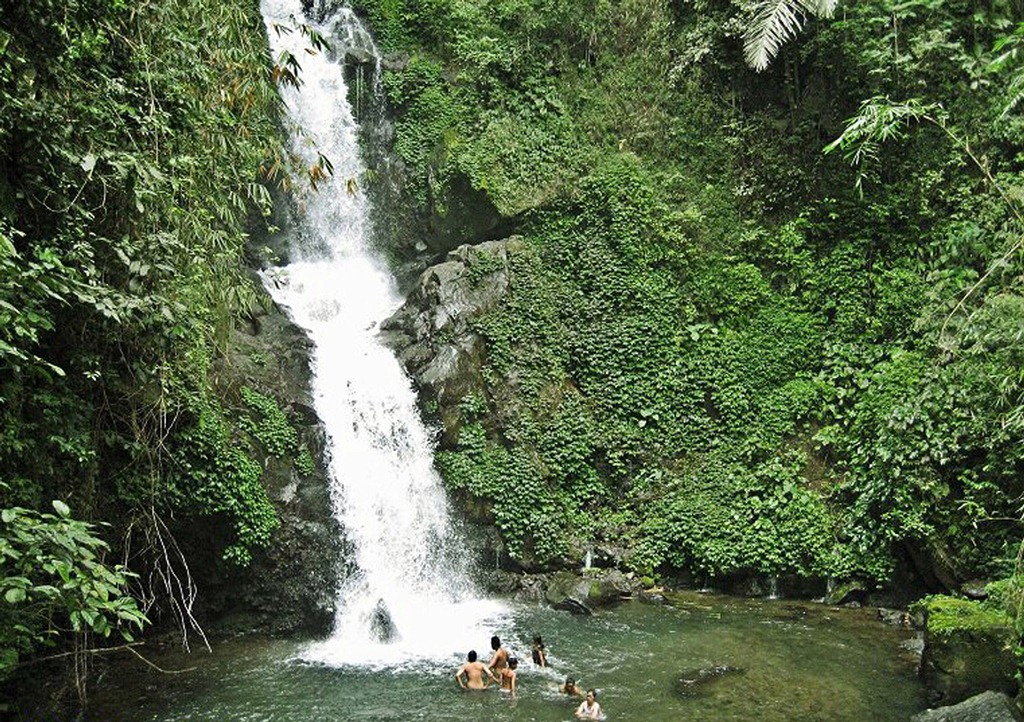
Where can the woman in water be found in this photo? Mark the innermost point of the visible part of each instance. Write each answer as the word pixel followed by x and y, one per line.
pixel 589 708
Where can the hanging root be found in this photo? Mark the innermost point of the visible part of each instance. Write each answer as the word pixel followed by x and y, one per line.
pixel 169 578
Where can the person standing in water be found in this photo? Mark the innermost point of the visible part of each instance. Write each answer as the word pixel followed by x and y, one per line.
pixel 540 657
pixel 589 708
pixel 499 660
pixel 508 676
pixel 477 675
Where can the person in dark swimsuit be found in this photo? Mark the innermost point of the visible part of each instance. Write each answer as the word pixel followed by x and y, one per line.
pixel 540 657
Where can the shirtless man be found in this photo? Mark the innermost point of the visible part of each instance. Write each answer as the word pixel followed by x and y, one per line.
pixel 499 660
pixel 478 676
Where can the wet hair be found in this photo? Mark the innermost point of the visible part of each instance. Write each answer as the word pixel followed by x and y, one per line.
pixel 538 641
pixel 513 662
pixel 570 685
pixel 472 655
pixel 593 692
pixel 495 642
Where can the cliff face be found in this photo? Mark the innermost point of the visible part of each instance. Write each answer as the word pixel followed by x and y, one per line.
pixel 433 332
pixel 291 584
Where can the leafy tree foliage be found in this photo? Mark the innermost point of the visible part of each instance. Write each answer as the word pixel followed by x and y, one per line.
pixel 137 146
pixel 55 582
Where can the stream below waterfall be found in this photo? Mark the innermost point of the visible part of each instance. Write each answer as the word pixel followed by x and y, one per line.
pixel 794 662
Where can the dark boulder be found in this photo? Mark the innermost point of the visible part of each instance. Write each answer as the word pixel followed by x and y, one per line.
pixel 988 706
pixel 381 625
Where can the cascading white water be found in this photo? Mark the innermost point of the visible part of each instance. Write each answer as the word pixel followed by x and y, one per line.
pixel 408 597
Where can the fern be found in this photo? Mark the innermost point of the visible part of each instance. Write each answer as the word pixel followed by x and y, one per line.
pixel 775 22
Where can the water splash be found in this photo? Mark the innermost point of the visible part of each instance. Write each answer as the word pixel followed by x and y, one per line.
pixel 408 596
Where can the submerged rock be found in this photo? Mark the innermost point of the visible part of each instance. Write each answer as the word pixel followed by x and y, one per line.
pixel 573 607
pixel 381 624
pixel 695 681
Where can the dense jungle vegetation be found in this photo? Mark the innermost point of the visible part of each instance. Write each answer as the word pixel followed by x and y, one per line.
pixel 724 349
pixel 138 144
pixel 766 322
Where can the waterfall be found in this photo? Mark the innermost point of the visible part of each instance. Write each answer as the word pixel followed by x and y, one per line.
pixel 408 595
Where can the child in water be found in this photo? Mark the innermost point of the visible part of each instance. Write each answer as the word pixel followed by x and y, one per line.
pixel 508 676
pixel 571 688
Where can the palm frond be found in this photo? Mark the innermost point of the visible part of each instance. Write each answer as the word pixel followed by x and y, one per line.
pixel 1015 93
pixel 775 22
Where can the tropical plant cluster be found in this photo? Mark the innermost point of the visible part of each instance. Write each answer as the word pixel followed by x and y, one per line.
pixel 725 350
pixel 138 146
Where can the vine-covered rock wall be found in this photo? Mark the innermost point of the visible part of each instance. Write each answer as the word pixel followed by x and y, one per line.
pixel 719 352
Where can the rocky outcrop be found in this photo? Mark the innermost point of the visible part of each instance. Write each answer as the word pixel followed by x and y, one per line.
pixel 432 332
pixel 985 707
pixel 581 593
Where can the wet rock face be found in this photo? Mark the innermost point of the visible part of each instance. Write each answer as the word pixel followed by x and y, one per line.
pixel 291 584
pixel 432 332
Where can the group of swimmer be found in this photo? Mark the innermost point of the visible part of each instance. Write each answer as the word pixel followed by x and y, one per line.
pixel 501 669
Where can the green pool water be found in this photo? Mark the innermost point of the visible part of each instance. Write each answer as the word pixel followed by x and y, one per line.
pixel 795 662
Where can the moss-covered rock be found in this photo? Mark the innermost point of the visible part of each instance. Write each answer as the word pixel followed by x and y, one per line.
pixel 593 588
pixel 968 649
pixel 291 584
